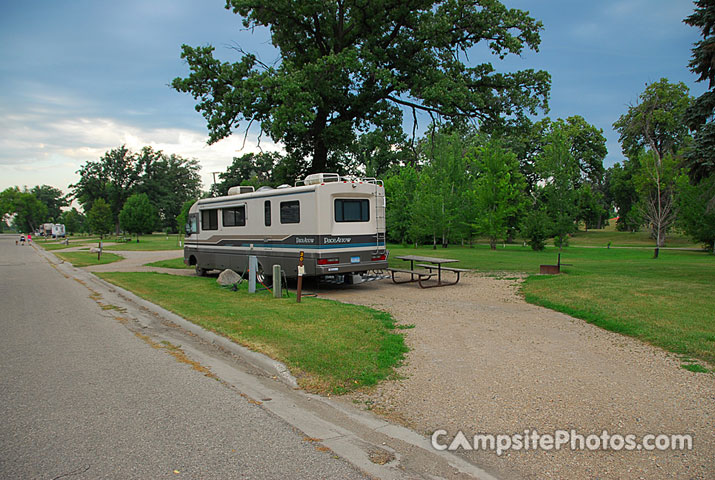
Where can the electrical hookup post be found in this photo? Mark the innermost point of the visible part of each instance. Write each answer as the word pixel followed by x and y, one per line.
pixel 301 271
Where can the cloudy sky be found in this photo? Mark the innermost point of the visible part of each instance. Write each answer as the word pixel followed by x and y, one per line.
pixel 80 77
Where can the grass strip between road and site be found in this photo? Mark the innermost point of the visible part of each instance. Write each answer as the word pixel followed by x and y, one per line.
pixel 329 346
pixel 667 301
pixel 85 259
pixel 177 263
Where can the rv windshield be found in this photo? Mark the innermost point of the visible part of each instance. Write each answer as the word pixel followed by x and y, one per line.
pixel 192 224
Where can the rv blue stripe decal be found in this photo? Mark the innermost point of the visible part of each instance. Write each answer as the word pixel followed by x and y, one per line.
pixel 309 247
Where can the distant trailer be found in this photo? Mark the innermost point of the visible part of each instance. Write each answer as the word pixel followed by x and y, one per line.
pixel 46 229
pixel 338 222
pixel 58 230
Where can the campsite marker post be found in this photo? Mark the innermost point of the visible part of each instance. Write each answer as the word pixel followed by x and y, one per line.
pixel 301 271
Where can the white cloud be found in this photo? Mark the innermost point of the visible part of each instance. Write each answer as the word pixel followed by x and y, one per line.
pixel 35 149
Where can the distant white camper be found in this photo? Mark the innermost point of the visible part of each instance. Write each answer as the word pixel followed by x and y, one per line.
pixel 338 222
pixel 46 229
pixel 58 230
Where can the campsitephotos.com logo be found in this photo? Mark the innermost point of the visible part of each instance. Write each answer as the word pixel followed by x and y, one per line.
pixel 559 439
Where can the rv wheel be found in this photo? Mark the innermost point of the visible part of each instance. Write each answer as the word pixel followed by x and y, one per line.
pixel 201 272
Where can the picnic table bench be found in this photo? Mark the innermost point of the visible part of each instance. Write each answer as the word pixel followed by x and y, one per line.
pixel 429 264
pixel 420 274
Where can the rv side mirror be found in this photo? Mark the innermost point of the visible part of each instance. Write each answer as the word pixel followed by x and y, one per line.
pixel 187 228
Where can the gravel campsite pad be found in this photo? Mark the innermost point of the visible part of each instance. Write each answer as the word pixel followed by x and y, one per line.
pixel 484 361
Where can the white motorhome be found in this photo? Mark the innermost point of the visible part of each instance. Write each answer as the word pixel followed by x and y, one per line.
pixel 337 222
pixel 58 230
pixel 46 229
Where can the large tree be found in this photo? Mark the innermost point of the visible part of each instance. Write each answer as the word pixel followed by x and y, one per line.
pixel 561 174
pixel 26 210
pixel 700 115
pixel 138 215
pixel 654 131
pixel 113 179
pixel 99 218
pixel 256 169
pixel 168 181
pixel 348 67
pixel 498 191
pixel 53 198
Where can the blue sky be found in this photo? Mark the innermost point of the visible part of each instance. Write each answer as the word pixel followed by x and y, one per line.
pixel 80 77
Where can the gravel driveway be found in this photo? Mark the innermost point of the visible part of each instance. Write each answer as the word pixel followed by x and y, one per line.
pixel 482 360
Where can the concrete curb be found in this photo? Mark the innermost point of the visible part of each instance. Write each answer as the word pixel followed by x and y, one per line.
pixel 263 362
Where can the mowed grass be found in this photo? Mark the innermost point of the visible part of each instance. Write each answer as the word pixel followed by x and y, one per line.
pixel 329 346
pixel 171 263
pixel 667 302
pixel 85 259
pixel 602 238
pixel 154 242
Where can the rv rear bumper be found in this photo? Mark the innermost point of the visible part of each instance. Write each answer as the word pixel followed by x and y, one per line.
pixel 349 267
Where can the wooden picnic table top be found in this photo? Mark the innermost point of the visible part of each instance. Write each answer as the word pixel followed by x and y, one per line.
pixel 419 258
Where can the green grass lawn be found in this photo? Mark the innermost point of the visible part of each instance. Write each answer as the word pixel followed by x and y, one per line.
pixel 56 246
pixel 601 238
pixel 85 259
pixel 668 301
pixel 329 346
pixel 171 263
pixel 157 241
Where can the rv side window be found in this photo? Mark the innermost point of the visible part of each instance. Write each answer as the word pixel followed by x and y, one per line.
pixel 234 217
pixel 290 212
pixel 352 210
pixel 267 212
pixel 209 219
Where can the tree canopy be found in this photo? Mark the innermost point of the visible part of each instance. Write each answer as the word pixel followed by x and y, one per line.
pixel 27 210
pixel 53 198
pixel 700 115
pixel 99 218
pixel 138 215
pixel 168 181
pixel 656 122
pixel 348 67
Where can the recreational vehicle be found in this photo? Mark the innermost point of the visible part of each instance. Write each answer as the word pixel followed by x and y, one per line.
pixel 338 224
pixel 46 229
pixel 58 230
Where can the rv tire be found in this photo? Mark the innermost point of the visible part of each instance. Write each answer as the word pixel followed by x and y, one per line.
pixel 201 272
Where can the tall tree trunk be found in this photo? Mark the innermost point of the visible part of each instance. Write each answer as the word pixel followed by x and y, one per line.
pixel 320 149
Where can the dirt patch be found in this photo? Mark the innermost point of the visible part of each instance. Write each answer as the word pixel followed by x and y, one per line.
pixel 484 361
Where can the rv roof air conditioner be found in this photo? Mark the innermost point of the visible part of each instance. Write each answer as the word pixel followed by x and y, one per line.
pixel 317 178
pixel 240 189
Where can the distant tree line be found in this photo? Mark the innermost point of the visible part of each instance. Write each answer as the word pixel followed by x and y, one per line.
pixel 143 191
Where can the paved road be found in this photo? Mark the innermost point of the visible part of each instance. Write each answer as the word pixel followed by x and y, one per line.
pixel 83 396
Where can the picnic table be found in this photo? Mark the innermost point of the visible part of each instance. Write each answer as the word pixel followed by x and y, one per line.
pixel 429 264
